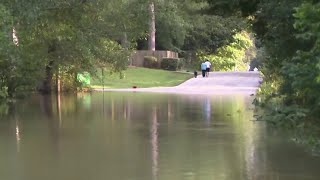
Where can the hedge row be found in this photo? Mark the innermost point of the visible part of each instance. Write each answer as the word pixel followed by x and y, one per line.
pixel 150 62
pixel 171 64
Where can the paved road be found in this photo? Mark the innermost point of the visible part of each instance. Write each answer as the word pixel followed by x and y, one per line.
pixel 217 83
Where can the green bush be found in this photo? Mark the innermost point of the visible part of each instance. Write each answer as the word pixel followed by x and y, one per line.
pixel 172 64
pixel 3 93
pixel 150 62
pixel 183 63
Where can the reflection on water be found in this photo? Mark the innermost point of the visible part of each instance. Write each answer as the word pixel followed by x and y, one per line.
pixel 154 143
pixel 18 136
pixel 141 136
pixel 207 110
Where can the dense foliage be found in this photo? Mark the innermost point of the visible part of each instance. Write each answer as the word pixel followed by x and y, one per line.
pixel 60 38
pixel 289 31
pixel 232 56
pixel 209 35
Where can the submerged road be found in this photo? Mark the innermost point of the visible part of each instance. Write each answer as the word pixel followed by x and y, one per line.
pixel 216 83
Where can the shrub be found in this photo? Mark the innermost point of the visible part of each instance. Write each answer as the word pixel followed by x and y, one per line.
pixel 150 62
pixel 183 63
pixel 3 93
pixel 172 64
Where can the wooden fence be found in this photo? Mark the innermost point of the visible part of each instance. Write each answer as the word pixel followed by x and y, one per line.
pixel 137 57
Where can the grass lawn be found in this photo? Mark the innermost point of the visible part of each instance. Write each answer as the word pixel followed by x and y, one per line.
pixel 140 77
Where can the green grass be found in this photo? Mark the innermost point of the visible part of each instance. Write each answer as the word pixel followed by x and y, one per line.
pixel 141 78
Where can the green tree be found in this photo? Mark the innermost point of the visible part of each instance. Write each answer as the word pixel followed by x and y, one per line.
pixel 125 21
pixel 232 7
pixel 171 24
pixel 231 56
pixel 19 68
pixel 208 33
pixel 302 73
pixel 62 36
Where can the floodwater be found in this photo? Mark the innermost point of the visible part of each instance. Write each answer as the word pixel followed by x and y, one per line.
pixel 145 136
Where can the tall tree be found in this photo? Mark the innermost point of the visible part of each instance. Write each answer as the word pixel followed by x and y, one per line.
pixel 152 27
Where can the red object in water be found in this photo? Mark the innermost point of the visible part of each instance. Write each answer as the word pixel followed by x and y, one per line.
pixel 134 87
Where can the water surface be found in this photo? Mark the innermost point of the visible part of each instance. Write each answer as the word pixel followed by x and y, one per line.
pixel 144 136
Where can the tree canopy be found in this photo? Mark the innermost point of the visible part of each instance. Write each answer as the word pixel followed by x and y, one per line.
pixel 68 36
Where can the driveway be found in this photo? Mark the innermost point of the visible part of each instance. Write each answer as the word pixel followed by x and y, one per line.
pixel 216 83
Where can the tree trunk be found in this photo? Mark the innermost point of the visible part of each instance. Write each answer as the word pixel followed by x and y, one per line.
pixel 152 27
pixel 124 38
pixel 58 82
pixel 11 81
pixel 47 82
pixel 11 89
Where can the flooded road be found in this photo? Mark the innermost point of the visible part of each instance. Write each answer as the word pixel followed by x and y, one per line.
pixel 145 136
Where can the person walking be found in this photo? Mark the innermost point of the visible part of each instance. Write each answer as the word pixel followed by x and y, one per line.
pixel 208 64
pixel 203 69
